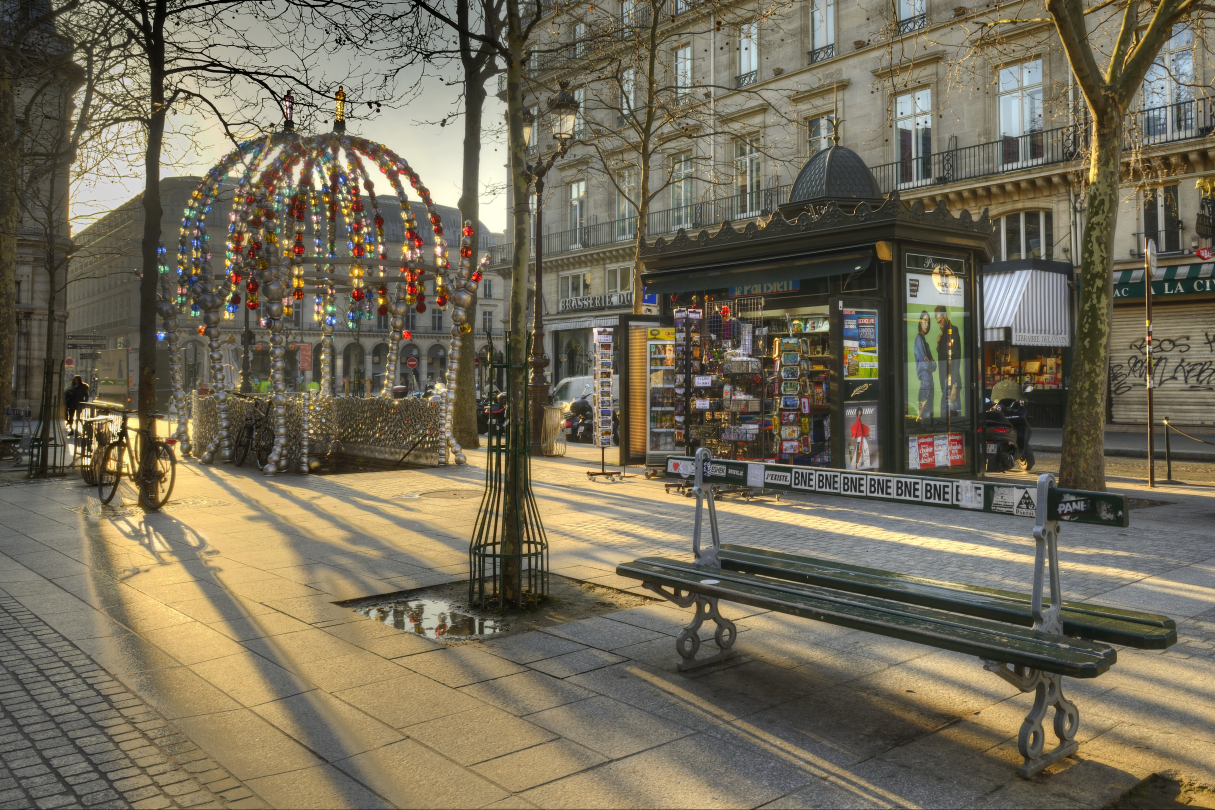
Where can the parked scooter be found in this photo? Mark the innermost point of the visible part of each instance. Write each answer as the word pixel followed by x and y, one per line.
pixel 1007 429
pixel 579 421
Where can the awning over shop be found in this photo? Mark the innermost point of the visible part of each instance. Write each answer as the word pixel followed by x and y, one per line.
pixel 581 323
pixel 1026 308
pixel 1182 279
pixel 738 274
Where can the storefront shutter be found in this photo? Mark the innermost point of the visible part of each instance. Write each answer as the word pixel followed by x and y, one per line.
pixel 1184 362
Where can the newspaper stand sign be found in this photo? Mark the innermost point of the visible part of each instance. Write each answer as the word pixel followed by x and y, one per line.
pixel 1069 505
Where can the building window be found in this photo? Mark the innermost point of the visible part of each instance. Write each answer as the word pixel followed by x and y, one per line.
pixel 487 321
pixel 1026 235
pixel 628 94
pixel 681 191
pixel 578 206
pixel 1168 90
pixel 1161 222
pixel 580 40
pixel 626 12
pixel 574 285
pixel 579 119
pixel 382 322
pixel 683 74
pixel 487 288
pixel 626 213
pixel 748 53
pixel 747 168
pixel 436 320
pixel 913 137
pixel 822 30
pixel 1021 113
pixel 618 279
pixel 818 134
pixel 912 16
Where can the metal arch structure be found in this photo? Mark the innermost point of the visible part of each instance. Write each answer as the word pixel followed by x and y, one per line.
pixel 312 185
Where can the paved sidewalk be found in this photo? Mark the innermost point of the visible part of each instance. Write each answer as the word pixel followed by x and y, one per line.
pixel 70 735
pixel 220 615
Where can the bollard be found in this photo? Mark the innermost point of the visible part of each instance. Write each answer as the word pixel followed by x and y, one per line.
pixel 1168 451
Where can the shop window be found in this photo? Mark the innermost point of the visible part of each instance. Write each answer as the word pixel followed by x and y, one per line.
pixel 822 30
pixel 574 285
pixel 1168 90
pixel 618 279
pixel 1026 235
pixel 681 191
pixel 1160 219
pixel 748 54
pixel 913 137
pixel 818 134
pixel 747 167
pixel 1021 113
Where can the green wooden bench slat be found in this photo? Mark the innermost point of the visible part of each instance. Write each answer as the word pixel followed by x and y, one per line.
pixel 969 635
pixel 1113 625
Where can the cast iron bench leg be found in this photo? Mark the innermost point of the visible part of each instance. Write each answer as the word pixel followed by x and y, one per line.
pixel 687 643
pixel 1048 693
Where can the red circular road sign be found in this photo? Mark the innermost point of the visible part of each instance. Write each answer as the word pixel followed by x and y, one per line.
pixel 1204 254
pixel 412 362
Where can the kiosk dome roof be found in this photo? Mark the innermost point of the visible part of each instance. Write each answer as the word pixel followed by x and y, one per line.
pixel 835 173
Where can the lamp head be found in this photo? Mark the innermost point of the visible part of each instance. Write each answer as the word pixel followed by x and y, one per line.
pixel 564 109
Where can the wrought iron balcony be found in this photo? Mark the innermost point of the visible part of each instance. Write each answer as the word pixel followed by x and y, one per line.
pixel 825 52
pixel 746 79
pixel 917 23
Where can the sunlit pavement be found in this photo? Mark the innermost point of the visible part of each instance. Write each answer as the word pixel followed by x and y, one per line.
pixel 219 614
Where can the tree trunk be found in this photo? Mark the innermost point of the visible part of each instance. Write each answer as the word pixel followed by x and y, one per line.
pixel 10 221
pixel 1083 462
pixel 48 412
pixel 464 424
pixel 516 467
pixel 152 213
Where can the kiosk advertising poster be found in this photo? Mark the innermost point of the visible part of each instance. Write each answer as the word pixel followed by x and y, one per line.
pixel 937 395
pixel 602 371
pixel 861 387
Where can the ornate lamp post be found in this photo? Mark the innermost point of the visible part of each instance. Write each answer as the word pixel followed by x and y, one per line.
pixel 563 109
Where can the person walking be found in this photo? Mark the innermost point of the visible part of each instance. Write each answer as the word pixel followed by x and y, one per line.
pixel 925 366
pixel 74 399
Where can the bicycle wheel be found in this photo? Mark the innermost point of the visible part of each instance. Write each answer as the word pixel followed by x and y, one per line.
pixel 264 444
pixel 86 451
pixel 240 448
pixel 159 472
pixel 109 472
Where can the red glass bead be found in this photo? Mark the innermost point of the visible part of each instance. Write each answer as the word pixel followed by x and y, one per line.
pixel 421 307
pixel 406 334
pixel 383 310
pixel 357 294
pixel 252 285
pixel 297 294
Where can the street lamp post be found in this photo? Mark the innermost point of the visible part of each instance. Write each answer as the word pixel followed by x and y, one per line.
pixel 564 113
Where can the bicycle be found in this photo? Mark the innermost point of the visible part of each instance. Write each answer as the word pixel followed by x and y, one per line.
pixel 91 442
pixel 152 460
pixel 257 434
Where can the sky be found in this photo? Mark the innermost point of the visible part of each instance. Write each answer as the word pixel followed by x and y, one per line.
pixel 434 152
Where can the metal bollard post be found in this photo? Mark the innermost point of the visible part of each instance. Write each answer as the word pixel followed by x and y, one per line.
pixel 1168 451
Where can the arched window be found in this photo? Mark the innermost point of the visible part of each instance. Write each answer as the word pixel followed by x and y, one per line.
pixel 1026 235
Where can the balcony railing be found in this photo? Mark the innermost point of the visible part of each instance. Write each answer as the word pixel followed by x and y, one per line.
pixel 1180 121
pixel 825 52
pixel 995 157
pixel 622 231
pixel 917 23
pixel 746 79
pixel 1168 240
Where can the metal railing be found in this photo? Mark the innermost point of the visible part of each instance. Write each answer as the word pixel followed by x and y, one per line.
pixel 825 52
pixel 1168 239
pixel 746 79
pixel 995 157
pixel 917 23
pixel 1180 121
pixel 621 231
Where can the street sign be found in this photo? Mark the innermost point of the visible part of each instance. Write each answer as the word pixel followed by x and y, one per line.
pixel 1071 505
pixel 96 344
pixel 411 362
pixel 90 355
pixel 69 362
pixel 1204 254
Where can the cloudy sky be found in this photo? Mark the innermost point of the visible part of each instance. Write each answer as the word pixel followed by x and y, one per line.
pixel 411 130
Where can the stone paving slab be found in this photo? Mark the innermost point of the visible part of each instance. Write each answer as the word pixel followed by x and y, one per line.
pixel 72 735
pixel 222 613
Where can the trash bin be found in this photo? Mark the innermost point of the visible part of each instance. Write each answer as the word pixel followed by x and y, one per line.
pixel 552 437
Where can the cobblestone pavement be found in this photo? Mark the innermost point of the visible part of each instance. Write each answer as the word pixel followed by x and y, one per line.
pixel 72 736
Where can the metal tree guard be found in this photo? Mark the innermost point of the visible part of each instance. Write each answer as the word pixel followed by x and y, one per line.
pixel 497 576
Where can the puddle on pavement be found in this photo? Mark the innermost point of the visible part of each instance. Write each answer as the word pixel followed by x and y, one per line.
pixel 435 618
pixel 442 612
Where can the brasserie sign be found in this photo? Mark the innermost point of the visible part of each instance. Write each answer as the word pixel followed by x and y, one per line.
pixel 588 302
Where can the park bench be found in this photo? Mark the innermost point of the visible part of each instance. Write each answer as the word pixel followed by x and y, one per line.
pixel 1032 640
